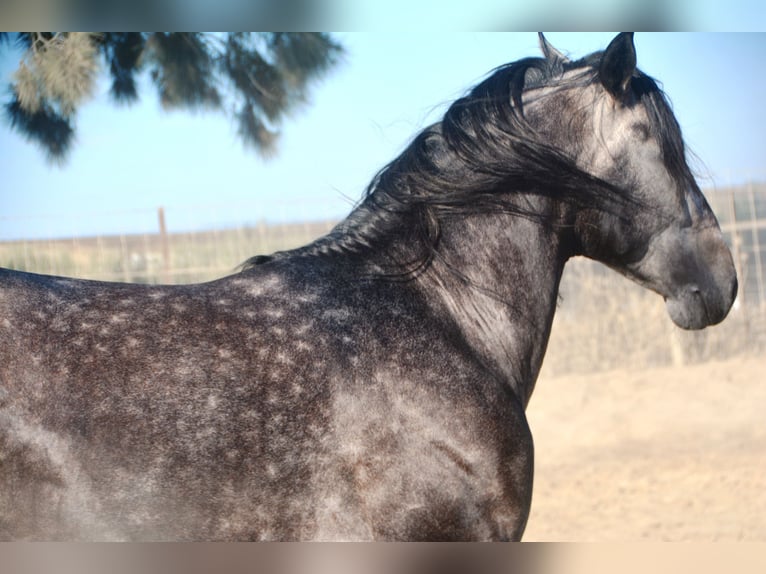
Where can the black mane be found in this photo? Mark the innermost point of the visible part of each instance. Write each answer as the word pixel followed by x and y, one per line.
pixel 480 154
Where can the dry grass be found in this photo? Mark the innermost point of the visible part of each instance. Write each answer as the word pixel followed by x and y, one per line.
pixel 189 257
pixel 605 321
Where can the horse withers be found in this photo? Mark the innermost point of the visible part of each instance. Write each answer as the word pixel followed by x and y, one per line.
pixel 371 384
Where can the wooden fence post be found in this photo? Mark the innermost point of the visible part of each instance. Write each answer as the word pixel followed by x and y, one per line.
pixel 756 245
pixel 736 251
pixel 677 355
pixel 165 277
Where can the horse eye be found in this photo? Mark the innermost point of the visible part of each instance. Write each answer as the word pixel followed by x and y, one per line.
pixel 641 131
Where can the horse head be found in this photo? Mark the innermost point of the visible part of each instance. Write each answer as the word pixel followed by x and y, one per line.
pixel 661 232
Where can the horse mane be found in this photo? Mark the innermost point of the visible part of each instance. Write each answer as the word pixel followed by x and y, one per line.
pixel 482 153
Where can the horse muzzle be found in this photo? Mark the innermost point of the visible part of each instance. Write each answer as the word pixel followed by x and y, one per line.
pixel 706 297
pixel 695 308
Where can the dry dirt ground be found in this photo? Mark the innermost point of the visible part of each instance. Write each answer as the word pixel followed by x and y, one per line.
pixel 673 453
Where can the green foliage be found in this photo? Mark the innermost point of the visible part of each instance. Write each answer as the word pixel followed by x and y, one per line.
pixel 254 78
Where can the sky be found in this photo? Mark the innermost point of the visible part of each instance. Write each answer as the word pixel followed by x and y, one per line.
pixel 128 161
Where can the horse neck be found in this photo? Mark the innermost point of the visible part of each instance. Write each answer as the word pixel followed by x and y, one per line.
pixel 497 276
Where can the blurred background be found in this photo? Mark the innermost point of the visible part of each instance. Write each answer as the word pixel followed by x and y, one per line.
pixel 159 174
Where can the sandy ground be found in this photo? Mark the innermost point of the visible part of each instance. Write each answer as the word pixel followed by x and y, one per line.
pixel 663 454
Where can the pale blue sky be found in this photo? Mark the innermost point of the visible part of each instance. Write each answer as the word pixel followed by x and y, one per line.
pixel 128 161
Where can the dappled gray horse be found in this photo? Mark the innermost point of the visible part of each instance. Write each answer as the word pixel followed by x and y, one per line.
pixel 372 384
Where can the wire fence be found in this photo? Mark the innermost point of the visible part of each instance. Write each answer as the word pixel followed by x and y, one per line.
pixel 164 256
pixel 159 256
pixel 741 212
pixel 603 321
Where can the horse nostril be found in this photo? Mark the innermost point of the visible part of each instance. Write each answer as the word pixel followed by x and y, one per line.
pixel 734 289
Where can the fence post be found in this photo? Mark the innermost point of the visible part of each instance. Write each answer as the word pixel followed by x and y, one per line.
pixel 736 251
pixel 756 245
pixel 677 355
pixel 165 245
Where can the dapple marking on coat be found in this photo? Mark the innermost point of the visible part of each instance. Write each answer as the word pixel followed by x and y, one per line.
pixel 372 384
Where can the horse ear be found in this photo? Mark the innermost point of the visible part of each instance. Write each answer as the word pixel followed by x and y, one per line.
pixel 551 54
pixel 618 64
